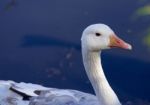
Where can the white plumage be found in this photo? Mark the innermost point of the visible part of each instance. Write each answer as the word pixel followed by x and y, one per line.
pixel 95 38
pixel 48 96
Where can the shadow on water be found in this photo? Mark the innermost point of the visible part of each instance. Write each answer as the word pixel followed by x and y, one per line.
pixel 39 40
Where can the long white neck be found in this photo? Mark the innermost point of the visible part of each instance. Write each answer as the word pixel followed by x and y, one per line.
pixel 104 92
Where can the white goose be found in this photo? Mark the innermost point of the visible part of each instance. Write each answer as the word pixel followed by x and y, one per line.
pixel 94 39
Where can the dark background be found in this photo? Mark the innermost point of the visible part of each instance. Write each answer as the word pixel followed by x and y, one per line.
pixel 40 43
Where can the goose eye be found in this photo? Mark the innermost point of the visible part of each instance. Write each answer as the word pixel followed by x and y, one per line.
pixel 97 34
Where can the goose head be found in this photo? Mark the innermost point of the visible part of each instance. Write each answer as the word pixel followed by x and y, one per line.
pixel 97 37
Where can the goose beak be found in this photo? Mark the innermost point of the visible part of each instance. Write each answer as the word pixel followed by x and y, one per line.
pixel 118 43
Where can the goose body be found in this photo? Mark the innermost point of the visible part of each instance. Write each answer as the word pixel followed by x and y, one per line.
pixel 95 38
pixel 12 93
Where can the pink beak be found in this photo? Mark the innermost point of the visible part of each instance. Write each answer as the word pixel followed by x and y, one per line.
pixel 117 42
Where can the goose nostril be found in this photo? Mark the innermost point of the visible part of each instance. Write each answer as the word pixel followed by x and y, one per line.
pixel 118 41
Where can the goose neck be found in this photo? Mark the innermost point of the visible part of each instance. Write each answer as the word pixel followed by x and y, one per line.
pixel 94 70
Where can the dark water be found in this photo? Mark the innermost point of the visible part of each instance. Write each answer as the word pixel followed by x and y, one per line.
pixel 40 43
